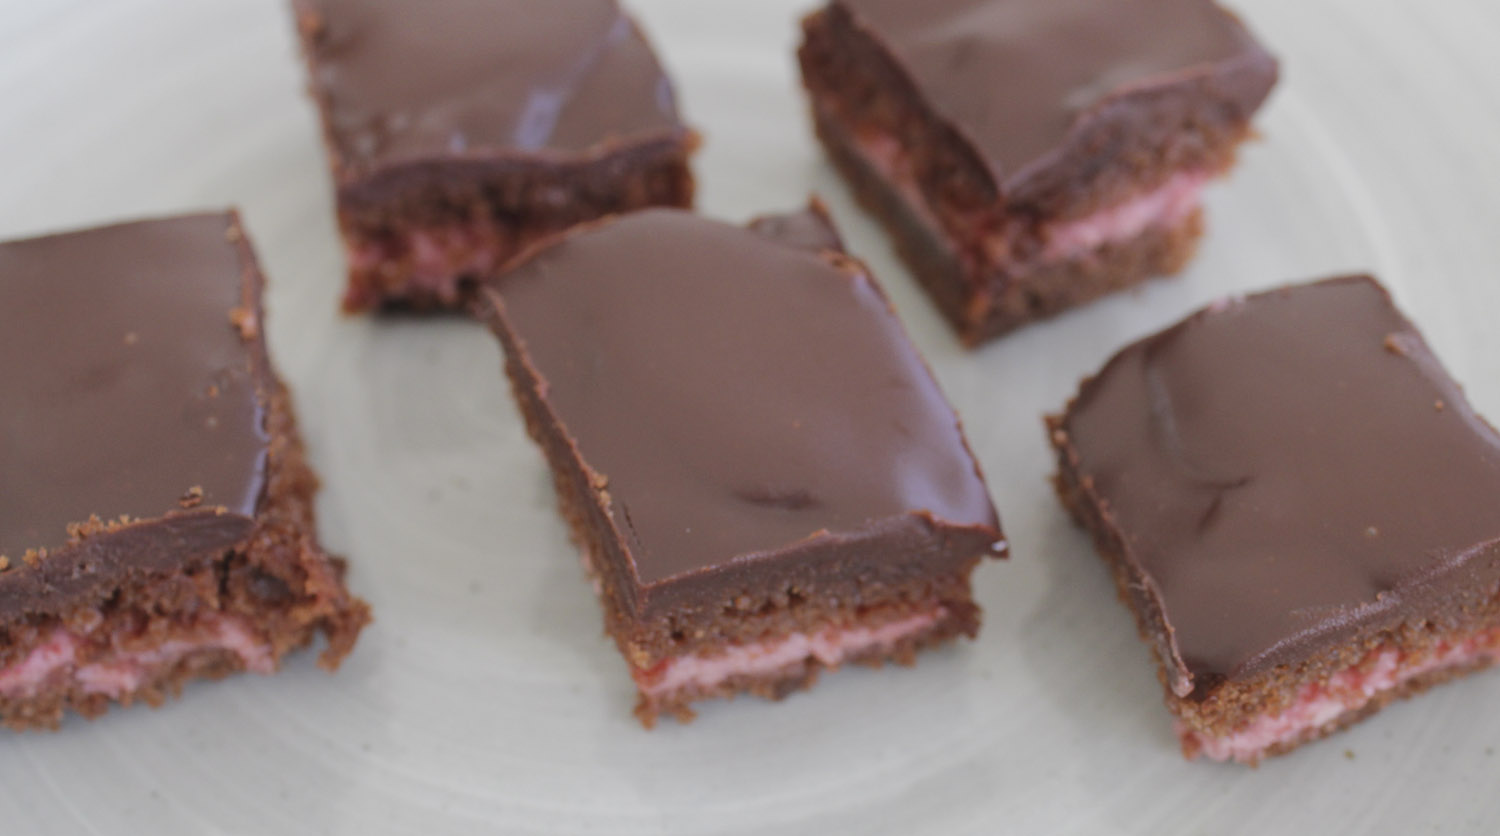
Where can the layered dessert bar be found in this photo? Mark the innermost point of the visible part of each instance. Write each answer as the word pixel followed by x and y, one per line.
pixel 157 523
pixel 1031 155
pixel 460 131
pixel 761 471
pixel 1298 504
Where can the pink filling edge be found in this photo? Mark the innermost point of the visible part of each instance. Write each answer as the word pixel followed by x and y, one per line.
pixel 123 672
pixel 438 257
pixel 1160 208
pixel 831 647
pixel 1322 703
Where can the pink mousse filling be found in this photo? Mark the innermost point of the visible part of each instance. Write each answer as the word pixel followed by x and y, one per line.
pixel 1321 703
pixel 436 257
pixel 123 672
pixel 831 647
pixel 1163 207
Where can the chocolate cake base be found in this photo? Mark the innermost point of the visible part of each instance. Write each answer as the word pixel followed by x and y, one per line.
pixel 272 594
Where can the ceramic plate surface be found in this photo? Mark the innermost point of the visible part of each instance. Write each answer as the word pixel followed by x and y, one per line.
pixel 485 699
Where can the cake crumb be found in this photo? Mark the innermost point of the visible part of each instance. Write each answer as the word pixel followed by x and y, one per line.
pixel 193 498
pixel 34 557
pixel 244 319
pixel 1349 754
pixel 234 235
pixel 131 338
pixel 4 563
pixel 1439 405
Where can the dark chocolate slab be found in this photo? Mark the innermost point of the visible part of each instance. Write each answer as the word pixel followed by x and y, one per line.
pixel 128 390
pixel 457 78
pixel 1288 472
pixel 739 397
pixel 1017 77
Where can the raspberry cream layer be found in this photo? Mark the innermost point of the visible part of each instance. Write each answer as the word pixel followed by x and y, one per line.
pixel 1163 207
pixel 55 664
pixel 831 648
pixel 429 264
pixel 1322 705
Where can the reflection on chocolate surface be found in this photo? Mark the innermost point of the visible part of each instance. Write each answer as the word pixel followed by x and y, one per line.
pixel 1016 76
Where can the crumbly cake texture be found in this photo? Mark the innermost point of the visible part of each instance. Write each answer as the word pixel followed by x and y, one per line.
pixel 1296 501
pixel 161 524
pixel 1028 156
pixel 462 131
pixel 763 477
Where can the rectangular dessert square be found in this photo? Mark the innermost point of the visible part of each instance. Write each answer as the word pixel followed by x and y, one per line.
pixel 1298 503
pixel 1028 156
pixel 158 516
pixel 461 131
pixel 762 472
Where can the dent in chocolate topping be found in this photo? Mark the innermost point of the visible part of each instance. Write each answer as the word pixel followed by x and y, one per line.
pixel 126 385
pixel 737 395
pixel 1289 471
pixel 410 79
pixel 1015 77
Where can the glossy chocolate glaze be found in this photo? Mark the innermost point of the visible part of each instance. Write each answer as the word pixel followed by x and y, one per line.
pixel 739 399
pixel 1016 78
pixel 126 386
pixel 1290 472
pixel 407 80
pixel 810 229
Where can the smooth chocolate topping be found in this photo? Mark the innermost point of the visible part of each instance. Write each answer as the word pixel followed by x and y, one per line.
pixel 1016 77
pixel 1290 471
pixel 737 396
pixel 810 229
pixel 408 79
pixel 128 390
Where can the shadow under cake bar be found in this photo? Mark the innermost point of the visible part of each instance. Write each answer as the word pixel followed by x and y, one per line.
pixel 157 522
pixel 763 474
pixel 1298 504
pixel 1031 155
pixel 460 131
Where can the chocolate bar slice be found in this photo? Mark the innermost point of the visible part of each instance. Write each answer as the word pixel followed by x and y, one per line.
pixel 1028 156
pixel 1299 505
pixel 762 473
pixel 157 524
pixel 461 131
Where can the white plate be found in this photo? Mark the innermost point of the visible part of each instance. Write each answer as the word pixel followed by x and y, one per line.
pixel 485 698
